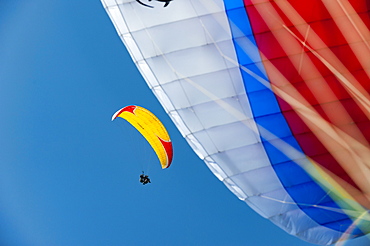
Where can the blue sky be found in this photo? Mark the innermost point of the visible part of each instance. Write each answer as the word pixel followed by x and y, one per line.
pixel 68 175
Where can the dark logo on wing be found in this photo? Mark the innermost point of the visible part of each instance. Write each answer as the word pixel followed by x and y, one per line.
pixel 166 2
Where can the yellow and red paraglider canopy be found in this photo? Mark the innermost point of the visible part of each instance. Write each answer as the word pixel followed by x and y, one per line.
pixel 151 128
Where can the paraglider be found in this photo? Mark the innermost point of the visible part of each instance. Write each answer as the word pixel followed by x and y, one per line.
pixel 144 179
pixel 273 96
pixel 151 129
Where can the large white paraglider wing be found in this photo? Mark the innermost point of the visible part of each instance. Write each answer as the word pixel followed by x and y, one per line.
pixel 187 54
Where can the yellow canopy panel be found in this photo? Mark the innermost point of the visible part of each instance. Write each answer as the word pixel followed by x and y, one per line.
pixel 151 128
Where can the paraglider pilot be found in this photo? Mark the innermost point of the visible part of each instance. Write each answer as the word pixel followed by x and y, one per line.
pixel 144 179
